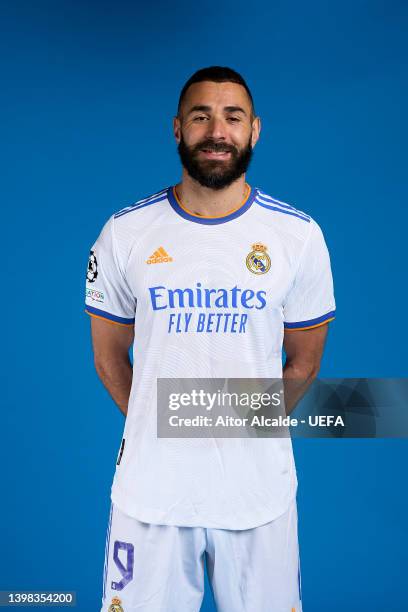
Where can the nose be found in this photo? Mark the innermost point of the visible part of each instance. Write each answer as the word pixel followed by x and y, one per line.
pixel 216 128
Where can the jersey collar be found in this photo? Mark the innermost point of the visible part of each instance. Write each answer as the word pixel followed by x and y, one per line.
pixel 186 214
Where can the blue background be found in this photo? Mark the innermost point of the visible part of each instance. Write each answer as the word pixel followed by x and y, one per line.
pixel 89 90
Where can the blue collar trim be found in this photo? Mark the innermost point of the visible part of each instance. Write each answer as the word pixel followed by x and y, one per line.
pixel 213 220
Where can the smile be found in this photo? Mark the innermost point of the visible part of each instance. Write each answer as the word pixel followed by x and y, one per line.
pixel 215 154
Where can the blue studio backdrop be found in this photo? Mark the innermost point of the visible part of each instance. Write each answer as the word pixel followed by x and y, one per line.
pixel 89 91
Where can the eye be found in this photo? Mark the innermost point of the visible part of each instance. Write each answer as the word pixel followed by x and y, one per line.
pixel 200 118
pixel 234 119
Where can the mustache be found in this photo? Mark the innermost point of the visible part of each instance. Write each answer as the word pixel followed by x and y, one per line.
pixel 216 147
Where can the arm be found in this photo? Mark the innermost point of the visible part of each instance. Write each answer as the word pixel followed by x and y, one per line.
pixel 111 343
pixel 304 350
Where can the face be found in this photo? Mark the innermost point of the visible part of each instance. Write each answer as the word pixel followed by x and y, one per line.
pixel 216 133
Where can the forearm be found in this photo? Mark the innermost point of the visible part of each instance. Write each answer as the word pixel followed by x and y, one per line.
pixel 296 381
pixel 116 375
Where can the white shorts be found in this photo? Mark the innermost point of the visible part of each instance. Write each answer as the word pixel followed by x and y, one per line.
pixel 160 568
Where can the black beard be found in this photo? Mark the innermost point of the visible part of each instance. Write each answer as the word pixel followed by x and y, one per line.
pixel 213 173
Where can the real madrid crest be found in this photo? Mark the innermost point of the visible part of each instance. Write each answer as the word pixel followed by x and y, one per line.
pixel 258 260
pixel 115 605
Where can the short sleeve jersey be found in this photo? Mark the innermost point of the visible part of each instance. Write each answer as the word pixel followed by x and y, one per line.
pixel 209 297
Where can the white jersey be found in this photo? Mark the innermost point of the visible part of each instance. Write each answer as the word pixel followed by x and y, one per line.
pixel 208 298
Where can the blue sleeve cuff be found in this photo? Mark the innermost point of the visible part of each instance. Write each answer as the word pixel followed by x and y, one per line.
pixel 326 318
pixel 102 314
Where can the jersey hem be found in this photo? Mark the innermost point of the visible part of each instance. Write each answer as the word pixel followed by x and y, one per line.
pixel 156 517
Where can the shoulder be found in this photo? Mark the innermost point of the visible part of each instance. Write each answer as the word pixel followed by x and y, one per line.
pixel 285 218
pixel 300 232
pixel 283 210
pixel 129 222
pixel 143 203
pixel 126 226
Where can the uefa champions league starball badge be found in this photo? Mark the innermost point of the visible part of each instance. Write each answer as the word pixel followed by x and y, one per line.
pixel 115 605
pixel 258 260
pixel 92 271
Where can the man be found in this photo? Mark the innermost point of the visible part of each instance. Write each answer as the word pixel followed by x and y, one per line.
pixel 206 279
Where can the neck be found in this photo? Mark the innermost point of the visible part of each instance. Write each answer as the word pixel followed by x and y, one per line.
pixel 208 202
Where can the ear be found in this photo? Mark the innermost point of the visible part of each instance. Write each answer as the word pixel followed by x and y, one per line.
pixel 256 130
pixel 177 129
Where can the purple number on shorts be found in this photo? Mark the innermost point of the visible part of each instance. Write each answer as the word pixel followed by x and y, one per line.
pixel 125 570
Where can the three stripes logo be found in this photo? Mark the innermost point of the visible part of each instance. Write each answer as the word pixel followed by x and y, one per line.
pixel 159 256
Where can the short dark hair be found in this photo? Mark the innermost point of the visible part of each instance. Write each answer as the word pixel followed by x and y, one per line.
pixel 217 74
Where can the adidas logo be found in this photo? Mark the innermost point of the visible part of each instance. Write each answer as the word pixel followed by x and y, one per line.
pixel 159 256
